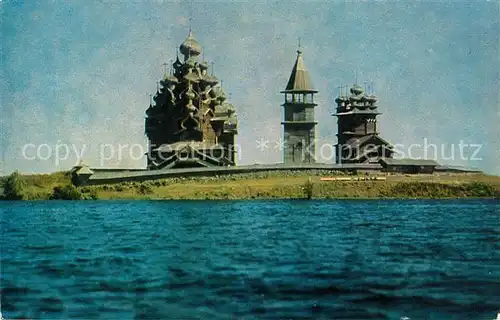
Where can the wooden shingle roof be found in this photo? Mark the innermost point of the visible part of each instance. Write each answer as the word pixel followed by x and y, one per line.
pixel 299 79
pixel 408 162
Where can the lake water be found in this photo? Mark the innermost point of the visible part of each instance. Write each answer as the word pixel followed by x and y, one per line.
pixel 419 259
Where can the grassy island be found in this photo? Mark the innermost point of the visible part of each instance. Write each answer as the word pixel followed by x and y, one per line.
pixel 263 185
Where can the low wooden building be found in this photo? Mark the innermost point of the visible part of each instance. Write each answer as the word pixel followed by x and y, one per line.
pixel 408 165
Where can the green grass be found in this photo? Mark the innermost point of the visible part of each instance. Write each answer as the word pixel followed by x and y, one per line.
pixel 301 187
pixel 274 185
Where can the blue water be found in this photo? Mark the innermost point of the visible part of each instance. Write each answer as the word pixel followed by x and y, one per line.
pixel 251 259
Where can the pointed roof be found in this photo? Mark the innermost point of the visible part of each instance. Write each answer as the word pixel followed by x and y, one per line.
pixel 299 79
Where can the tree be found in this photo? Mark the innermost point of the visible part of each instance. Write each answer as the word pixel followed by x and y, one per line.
pixel 67 192
pixel 14 187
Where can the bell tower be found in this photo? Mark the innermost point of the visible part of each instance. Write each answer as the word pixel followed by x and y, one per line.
pixel 298 124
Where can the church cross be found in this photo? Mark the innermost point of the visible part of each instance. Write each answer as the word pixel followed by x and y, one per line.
pixel 171 66
pixel 190 15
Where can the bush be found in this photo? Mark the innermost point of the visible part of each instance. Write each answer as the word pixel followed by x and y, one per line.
pixel 479 189
pixel 67 192
pixel 92 195
pixel 14 187
pixel 308 189
pixel 440 190
pixel 145 189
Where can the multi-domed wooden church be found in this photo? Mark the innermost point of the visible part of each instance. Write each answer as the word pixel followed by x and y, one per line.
pixel 189 123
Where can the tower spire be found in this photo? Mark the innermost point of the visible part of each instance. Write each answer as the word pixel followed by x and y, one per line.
pixel 299 50
pixel 299 78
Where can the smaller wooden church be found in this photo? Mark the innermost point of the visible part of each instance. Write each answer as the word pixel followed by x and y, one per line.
pixel 358 136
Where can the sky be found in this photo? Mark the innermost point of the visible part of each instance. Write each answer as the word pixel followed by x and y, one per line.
pixel 76 75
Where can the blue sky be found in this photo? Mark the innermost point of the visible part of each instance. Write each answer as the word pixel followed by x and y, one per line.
pixel 79 72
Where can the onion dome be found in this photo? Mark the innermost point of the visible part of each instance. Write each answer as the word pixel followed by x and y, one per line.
pixel 212 80
pixel 189 92
pixel 355 98
pixel 363 105
pixel 190 106
pixel 190 95
pixel 230 108
pixel 191 62
pixel 190 47
pixel 371 98
pixel 356 90
pixel 221 95
pixel 170 79
pixel 372 103
pixel 203 65
pixel 191 76
pixel 221 110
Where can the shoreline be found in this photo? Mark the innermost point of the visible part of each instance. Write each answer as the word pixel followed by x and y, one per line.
pixel 265 186
pixel 277 199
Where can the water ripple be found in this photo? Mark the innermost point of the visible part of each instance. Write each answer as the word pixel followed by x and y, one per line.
pixel 251 259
